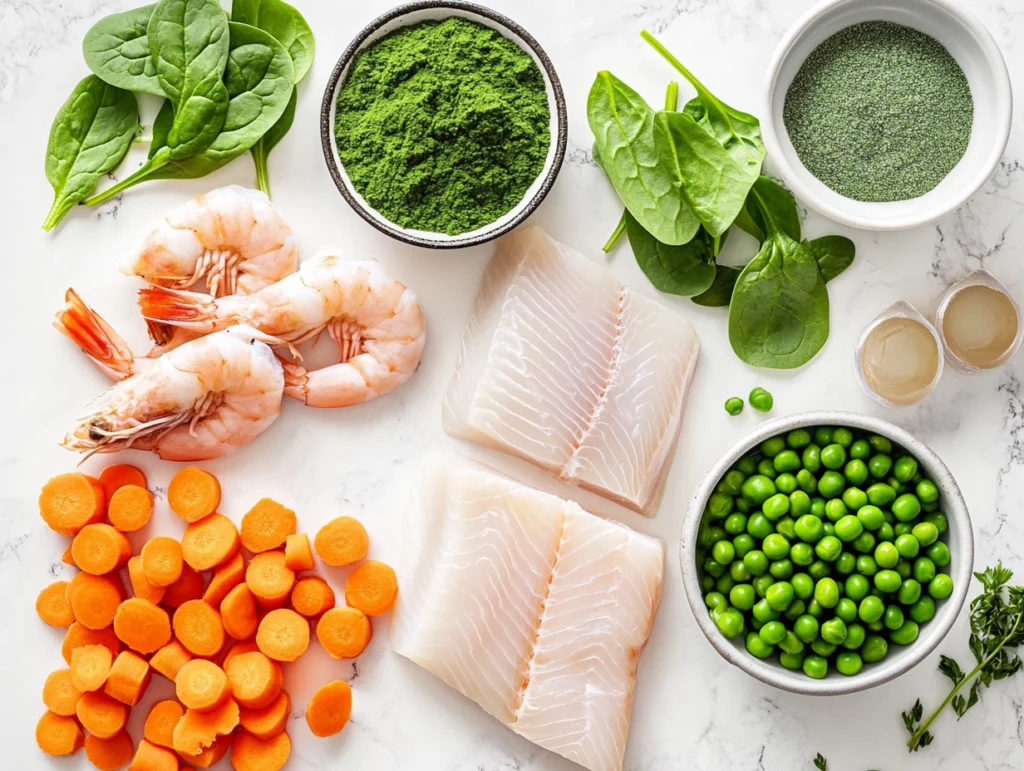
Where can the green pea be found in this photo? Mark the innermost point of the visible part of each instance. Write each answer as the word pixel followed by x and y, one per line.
pixel 772 447
pixel 893 617
pixel 786 527
pixel 854 498
pixel 773 632
pixel 870 609
pixel 826 592
pixel 885 533
pixel 906 507
pixel 756 562
pixel 897 486
pixel 880 443
pixel 764 612
pixel 860 449
pixel 707 583
pixel 924 569
pixel 725 584
pixel 857 587
pixel 818 507
pixel 781 569
pixel 761 584
pixel 938 553
pixel 790 643
pixel 823 648
pixel 798 437
pixel 880 494
pixel 908 546
pixel 831 484
pixel 811 458
pixel 776 506
pixel 796 609
pixel 779 595
pixel 928 508
pixel 866 565
pixel 758 647
pixel 849 528
pixel 846 564
pixel 901 528
pixel 806 628
pixel 856 473
pixel 792 661
pixel 720 505
pixel 761 400
pixel 787 460
pixel 819 569
pixel 732 482
pixel 713 568
pixel 925 533
pixel 833 457
pixel 736 524
pixel 757 489
pixel 715 599
pixel 855 636
pixel 785 482
pixel 747 465
pixel 806 481
pixel 870 517
pixel 865 543
pixel 802 554
pixel 836 509
pixel 926 491
pixel 904 568
pixel 759 526
pixel 834 631
pixel 724 552
pixel 742 505
pixel 816 667
pixel 828 548
pixel 910 592
pixel 742 597
pixel 799 503
pixel 823 435
pixel 923 610
pixel 940 587
pixel 874 648
pixel 829 528
pixel 843 437
pixel 814 609
pixel 846 609
pixel 734 405
pixel 887 581
pixel 887 555
pixel 906 634
pixel 766 468
pixel 803 586
pixel 904 469
pixel 940 520
pixel 848 663
pixel 738 571
pixel 809 529
pixel 879 466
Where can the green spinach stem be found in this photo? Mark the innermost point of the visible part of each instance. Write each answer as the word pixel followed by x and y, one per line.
pixel 144 171
pixel 57 212
pixel 672 96
pixel 668 56
pixel 259 158
pixel 616 234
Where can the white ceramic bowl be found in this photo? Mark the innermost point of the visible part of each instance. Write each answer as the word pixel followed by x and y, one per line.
pixel 960 539
pixel 412 13
pixel 967 41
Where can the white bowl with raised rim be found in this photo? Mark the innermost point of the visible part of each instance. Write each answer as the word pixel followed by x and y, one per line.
pixel 901 659
pixel 978 55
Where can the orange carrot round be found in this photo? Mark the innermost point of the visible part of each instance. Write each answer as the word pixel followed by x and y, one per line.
pixel 149 757
pixel 238 649
pixel 169 659
pixel 69 502
pixel 209 542
pixel 79 634
pixel 90 665
pixel 225 578
pixel 193 494
pixel 101 715
pixel 94 599
pixel 344 632
pixel 189 586
pixel 59 693
pixel 249 753
pixel 283 635
pixel 329 709
pixel 142 625
pixel 199 628
pixel 129 678
pixel 202 685
pixel 141 587
pixel 52 605
pixel 109 754
pixel 159 726
pixel 269 579
pixel 342 541
pixel 271 720
pixel 372 588
pixel 58 734
pixel 255 680
pixel 298 555
pixel 100 548
pixel 130 508
pixel 238 612
pixel 198 730
pixel 113 478
pixel 211 755
pixel 162 560
pixel 311 596
pixel 266 526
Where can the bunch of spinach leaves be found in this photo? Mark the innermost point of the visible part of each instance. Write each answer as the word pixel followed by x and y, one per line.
pixel 685 179
pixel 229 87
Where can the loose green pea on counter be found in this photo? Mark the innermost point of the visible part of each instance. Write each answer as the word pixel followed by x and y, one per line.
pixel 824 546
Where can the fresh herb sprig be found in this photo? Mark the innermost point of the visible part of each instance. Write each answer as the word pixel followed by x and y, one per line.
pixel 820 763
pixel 997 630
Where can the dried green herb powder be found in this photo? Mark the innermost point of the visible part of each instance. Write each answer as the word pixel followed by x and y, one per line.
pixel 443 125
pixel 879 112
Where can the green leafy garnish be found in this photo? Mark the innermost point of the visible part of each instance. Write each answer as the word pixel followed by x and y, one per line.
pixel 820 763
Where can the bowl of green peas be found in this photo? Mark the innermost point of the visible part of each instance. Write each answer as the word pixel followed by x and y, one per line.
pixel 827 552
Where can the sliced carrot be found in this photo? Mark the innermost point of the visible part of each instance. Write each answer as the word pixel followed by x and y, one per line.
pixel 202 685
pixel 149 757
pixel 94 599
pixel 311 596
pixel 189 586
pixel 298 555
pixel 130 508
pixel 128 679
pixel 225 578
pixel 100 548
pixel 198 730
pixel 69 502
pixel 249 753
pixel 255 680
pixel 342 541
pixel 113 478
pixel 344 632
pixel 209 542
pixel 269 721
pixel 79 634
pixel 162 560
pixel 193 494
pixel 142 625
pixel 238 613
pixel 199 628
pixel 210 756
pixel 58 734
pixel 266 526
pixel 100 714
pixel 90 665
pixel 67 558
pixel 159 726
pixel 283 635
pixel 329 709
pixel 237 650
pixel 52 605
pixel 141 587
pixel 372 588
pixel 59 693
pixel 109 754
pixel 270 579
pixel 169 660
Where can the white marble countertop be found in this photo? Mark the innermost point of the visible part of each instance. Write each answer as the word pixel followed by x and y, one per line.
pixel 692 710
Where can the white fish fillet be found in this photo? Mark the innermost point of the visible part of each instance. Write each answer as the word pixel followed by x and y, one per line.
pixel 563 366
pixel 533 608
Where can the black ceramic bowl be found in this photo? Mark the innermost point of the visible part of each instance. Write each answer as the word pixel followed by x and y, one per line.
pixel 411 13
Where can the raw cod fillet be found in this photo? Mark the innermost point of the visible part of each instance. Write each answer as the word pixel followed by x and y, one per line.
pixel 563 366
pixel 533 608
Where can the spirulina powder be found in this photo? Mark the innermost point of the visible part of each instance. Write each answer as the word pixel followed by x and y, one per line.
pixel 879 112
pixel 443 125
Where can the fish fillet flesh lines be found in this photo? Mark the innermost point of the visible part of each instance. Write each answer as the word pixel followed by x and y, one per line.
pixel 530 606
pixel 563 366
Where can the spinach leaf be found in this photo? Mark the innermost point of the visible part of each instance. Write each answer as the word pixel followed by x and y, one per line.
pixel 686 269
pixel 779 315
pixel 773 198
pixel 89 136
pixel 283 22
pixel 161 127
pixel 623 126
pixel 116 49
pixel 834 254
pixel 749 220
pixel 269 141
pixel 719 294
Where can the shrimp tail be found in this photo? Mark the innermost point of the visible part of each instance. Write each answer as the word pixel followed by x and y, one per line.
pixel 95 337
pixel 171 306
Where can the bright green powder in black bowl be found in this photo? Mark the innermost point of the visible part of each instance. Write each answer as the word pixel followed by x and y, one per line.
pixel 443 125
pixel 879 112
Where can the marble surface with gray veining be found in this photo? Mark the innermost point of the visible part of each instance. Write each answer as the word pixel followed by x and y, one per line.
pixel 692 711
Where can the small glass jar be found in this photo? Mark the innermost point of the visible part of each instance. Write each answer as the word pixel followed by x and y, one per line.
pixel 979 323
pixel 899 358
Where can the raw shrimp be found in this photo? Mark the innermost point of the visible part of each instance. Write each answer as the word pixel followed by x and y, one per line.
pixel 375 321
pixel 197 402
pixel 97 339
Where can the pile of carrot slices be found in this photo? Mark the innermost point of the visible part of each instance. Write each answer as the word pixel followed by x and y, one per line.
pixel 213 621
